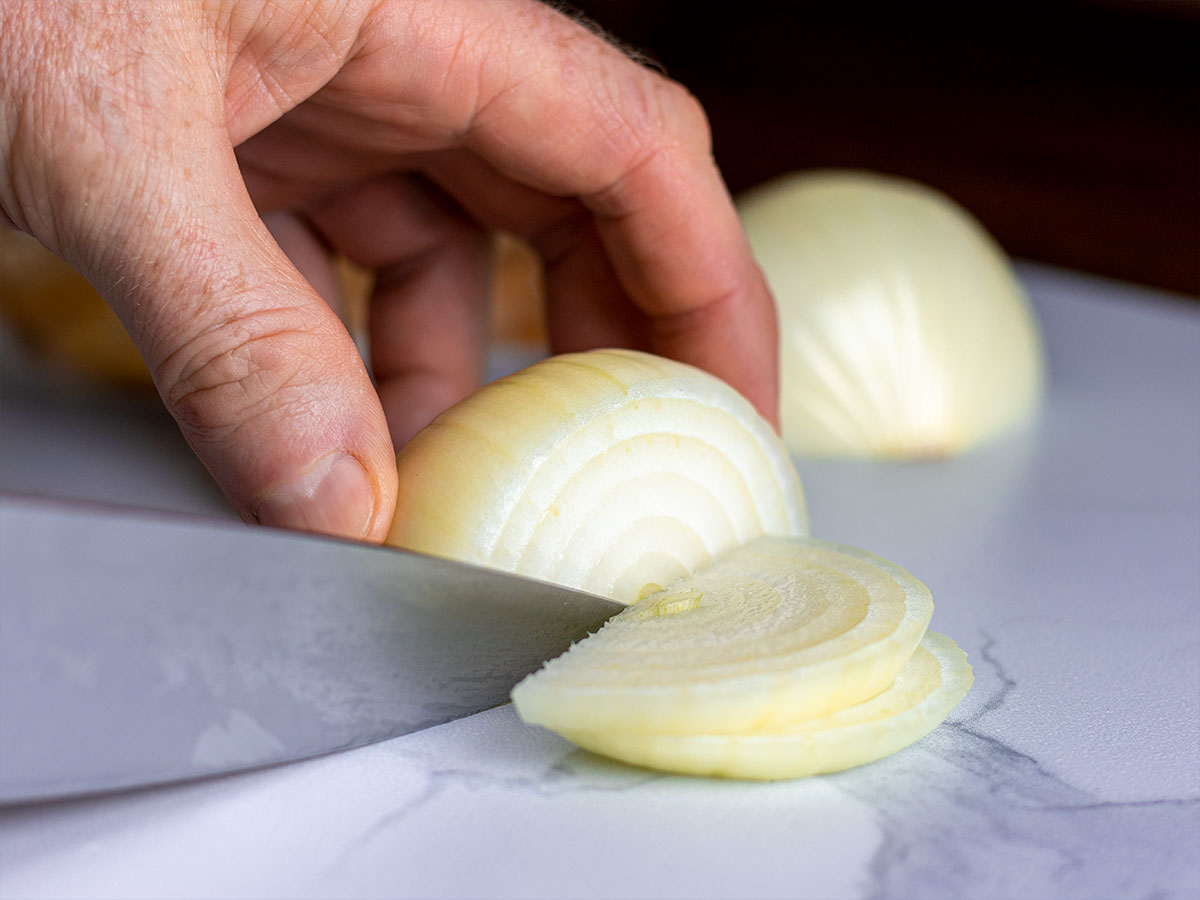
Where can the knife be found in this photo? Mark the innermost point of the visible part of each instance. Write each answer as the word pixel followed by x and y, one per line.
pixel 139 648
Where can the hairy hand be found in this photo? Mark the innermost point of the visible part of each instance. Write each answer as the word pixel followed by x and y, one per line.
pixel 194 158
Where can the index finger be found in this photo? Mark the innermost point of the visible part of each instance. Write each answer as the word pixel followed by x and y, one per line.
pixel 551 105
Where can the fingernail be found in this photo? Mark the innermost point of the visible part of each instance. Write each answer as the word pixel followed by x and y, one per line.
pixel 334 496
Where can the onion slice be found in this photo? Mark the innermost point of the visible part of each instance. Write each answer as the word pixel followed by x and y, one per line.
pixel 931 683
pixel 774 632
pixel 612 471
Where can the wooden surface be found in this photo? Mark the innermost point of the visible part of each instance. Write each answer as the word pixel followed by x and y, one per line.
pixel 1071 128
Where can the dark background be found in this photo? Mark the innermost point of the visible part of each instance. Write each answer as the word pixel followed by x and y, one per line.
pixel 1071 128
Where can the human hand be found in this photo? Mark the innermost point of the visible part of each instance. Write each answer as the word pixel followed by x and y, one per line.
pixel 395 133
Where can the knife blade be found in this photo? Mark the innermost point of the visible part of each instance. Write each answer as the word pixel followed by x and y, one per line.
pixel 140 648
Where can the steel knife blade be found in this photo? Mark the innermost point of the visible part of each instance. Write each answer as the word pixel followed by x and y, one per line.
pixel 138 648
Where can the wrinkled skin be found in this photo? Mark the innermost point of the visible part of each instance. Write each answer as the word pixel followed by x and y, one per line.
pixel 193 159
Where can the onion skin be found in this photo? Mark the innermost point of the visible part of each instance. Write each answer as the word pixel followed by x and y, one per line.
pixel 904 331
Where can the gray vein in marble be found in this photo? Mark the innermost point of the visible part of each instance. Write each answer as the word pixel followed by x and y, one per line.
pixel 1000 696
pixel 576 773
pixel 433 789
pixel 966 815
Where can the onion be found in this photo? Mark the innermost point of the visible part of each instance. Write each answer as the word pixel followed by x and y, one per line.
pixel 904 331
pixel 931 683
pixel 613 471
pixel 777 631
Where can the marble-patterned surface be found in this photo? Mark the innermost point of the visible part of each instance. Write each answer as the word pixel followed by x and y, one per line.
pixel 1065 560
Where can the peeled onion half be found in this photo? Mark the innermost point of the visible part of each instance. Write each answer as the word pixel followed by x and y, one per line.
pixel 612 471
pixel 904 331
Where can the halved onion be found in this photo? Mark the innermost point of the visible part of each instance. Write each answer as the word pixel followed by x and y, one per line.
pixel 904 331
pixel 613 471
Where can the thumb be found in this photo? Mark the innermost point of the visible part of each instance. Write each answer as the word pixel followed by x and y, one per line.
pixel 260 374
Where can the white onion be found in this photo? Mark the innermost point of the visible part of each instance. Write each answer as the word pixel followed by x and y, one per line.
pixel 776 631
pixel 612 471
pixel 904 331
pixel 928 687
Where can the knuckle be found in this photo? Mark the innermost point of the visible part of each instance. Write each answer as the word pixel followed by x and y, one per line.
pixel 690 115
pixel 664 114
pixel 649 117
pixel 226 376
